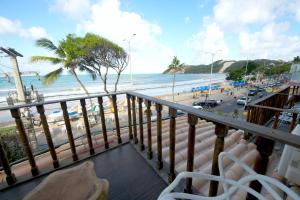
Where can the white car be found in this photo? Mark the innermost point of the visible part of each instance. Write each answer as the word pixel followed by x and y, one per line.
pixel 198 107
pixel 243 101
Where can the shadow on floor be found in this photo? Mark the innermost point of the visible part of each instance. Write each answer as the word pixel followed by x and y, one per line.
pixel 129 175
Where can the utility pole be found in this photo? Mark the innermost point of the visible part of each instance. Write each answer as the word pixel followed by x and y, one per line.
pixel 29 124
pixel 16 72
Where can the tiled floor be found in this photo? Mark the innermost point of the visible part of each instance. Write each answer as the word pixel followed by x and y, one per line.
pixel 130 177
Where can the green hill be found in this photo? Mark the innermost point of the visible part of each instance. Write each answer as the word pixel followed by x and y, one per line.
pixel 232 65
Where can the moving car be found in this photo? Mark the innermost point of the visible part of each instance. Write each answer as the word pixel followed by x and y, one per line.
pixel 242 101
pixel 252 92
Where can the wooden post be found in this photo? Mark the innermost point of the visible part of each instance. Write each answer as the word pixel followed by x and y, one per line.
pixel 192 120
pixel 129 116
pixel 159 137
pixel 172 114
pixel 221 131
pixel 114 99
pixel 63 105
pixel 87 126
pixel 293 123
pixel 10 177
pixel 15 113
pixel 265 148
pixel 47 133
pixel 142 146
pixel 276 120
pixel 134 120
pixel 102 116
pixel 149 134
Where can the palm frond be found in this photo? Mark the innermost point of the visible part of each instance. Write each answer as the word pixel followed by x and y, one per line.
pixel 46 43
pixel 52 76
pixel 91 72
pixel 52 60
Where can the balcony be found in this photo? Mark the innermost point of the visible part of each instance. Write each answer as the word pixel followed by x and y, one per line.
pixel 146 143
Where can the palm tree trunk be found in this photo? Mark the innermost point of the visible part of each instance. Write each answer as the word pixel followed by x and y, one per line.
pixel 81 84
pixel 173 85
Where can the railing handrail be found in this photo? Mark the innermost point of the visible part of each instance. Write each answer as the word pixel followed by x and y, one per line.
pixel 265 132
pixel 268 96
pixel 276 109
pixel 58 101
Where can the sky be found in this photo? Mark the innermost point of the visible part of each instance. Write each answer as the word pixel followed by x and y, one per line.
pixel 192 30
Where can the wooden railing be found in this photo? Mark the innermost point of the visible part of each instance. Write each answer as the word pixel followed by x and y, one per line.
pixel 15 113
pixel 222 125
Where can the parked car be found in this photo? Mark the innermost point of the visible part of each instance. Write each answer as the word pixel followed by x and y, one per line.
pixel 286 117
pixel 252 92
pixel 243 101
pixel 207 103
pixel 198 107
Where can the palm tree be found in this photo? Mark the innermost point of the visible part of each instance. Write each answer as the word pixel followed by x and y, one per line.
pixel 67 56
pixel 173 68
pixel 296 59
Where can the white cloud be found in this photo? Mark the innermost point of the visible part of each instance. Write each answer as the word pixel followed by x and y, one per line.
pixel 75 9
pixel 271 42
pixel 294 7
pixel 187 19
pixel 233 15
pixel 108 20
pixel 209 39
pixel 8 26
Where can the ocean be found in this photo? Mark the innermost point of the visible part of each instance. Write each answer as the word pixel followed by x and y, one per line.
pixel 150 84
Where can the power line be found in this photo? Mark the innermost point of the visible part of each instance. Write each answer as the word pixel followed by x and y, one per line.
pixel 6 66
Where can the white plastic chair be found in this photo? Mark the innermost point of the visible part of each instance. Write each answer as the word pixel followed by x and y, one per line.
pixel 266 182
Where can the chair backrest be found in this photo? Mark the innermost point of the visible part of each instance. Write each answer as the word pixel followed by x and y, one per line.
pixel 230 186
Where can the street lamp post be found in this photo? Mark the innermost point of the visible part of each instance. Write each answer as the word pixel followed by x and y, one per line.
pixel 211 68
pixel 129 56
pixel 247 85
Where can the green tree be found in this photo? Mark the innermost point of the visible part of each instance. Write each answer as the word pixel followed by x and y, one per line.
pixel 173 68
pixel 100 55
pixel 66 55
pixel 236 74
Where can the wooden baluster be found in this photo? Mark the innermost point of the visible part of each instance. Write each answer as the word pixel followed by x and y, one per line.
pixel 293 123
pixel 15 113
pixel 63 105
pixel 172 114
pixel 265 148
pixel 159 137
pixel 134 120
pixel 102 116
pixel 129 117
pixel 149 133
pixel 142 146
pixel 276 120
pixel 221 131
pixel 87 126
pixel 192 120
pixel 10 177
pixel 47 133
pixel 114 99
pixel 249 114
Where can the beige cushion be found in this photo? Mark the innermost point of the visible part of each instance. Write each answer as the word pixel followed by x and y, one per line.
pixel 76 183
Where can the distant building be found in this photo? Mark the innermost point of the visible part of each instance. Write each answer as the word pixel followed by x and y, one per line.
pixel 295 74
